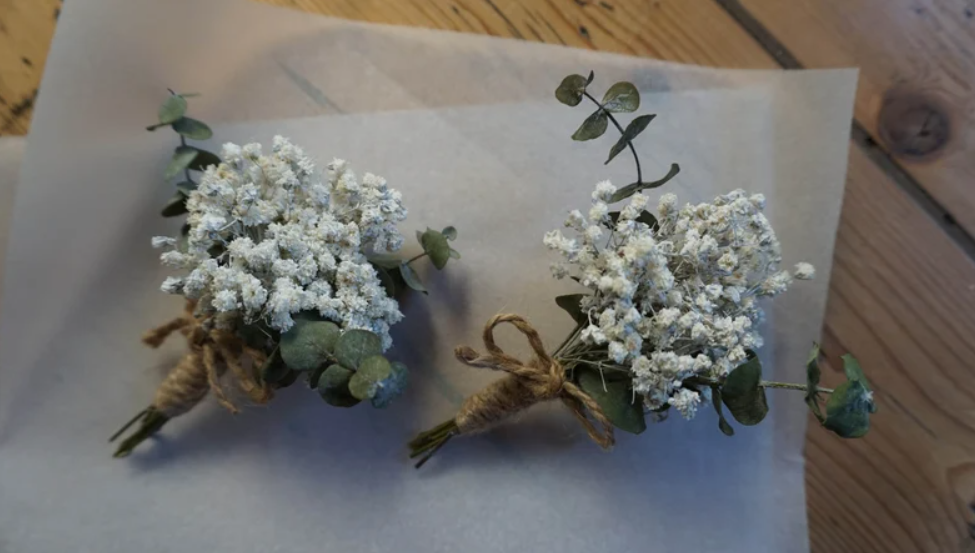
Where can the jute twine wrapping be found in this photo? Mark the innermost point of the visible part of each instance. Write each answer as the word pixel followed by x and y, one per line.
pixel 212 352
pixel 541 379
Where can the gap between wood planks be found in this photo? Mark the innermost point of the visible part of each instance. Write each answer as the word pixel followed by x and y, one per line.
pixel 859 133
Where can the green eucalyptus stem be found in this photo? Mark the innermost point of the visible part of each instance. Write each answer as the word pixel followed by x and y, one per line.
pixel 127 425
pixel 568 341
pixel 579 358
pixel 151 421
pixel 426 444
pixel 636 158
pixel 792 386
pixel 415 257
pixel 704 381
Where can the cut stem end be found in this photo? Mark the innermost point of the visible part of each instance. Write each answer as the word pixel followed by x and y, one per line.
pixel 426 444
pixel 150 422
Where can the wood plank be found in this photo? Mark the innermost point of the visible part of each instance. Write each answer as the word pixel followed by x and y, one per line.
pixel 917 61
pixel 902 293
pixel 900 299
pixel 26 28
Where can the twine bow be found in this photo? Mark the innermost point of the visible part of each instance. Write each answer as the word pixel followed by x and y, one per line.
pixel 212 352
pixel 541 379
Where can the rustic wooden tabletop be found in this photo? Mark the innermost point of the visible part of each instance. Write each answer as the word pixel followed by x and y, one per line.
pixel 903 285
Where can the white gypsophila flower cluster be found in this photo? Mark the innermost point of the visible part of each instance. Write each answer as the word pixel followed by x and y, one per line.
pixel 268 237
pixel 678 301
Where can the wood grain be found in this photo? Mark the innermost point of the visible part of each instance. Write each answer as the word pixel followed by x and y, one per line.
pixel 914 53
pixel 902 293
pixel 26 28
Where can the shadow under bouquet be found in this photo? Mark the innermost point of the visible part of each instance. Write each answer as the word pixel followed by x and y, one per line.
pixel 288 274
pixel 670 316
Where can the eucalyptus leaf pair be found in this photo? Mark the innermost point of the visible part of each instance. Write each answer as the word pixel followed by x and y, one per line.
pixel 186 158
pixel 849 406
pixel 346 367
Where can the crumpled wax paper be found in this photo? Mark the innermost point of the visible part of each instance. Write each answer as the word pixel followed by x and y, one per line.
pixel 468 129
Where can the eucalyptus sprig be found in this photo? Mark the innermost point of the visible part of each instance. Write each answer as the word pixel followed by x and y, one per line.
pixel 396 272
pixel 622 97
pixel 742 391
pixel 186 158
pixel 344 367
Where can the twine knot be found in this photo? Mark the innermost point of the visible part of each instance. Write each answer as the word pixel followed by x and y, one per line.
pixel 541 379
pixel 212 352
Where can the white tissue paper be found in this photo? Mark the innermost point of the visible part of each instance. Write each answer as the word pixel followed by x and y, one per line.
pixel 468 129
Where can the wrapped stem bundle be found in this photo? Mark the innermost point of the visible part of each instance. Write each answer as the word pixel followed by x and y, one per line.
pixel 670 316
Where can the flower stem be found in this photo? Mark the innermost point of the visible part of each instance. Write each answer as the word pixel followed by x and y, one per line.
pixel 636 158
pixel 791 386
pixel 151 421
pixel 414 258
pixel 429 442
pixel 704 381
pixel 568 341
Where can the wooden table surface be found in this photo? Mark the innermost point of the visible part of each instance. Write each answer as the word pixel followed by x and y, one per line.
pixel 902 294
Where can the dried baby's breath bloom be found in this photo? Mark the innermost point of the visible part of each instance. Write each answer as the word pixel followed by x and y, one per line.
pixel 269 237
pixel 676 301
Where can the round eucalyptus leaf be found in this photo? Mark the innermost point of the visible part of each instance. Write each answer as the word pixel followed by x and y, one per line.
pixel 436 246
pixel 387 280
pixel 175 206
pixel 615 398
pixel 356 345
pixel 333 386
pixel 392 387
pixel 181 161
pixel 743 394
pixel 203 159
pixel 848 409
pixel 411 278
pixel 570 90
pixel 853 371
pixel 371 372
pixel 308 344
pixel 450 233
pixel 622 97
pixel 192 128
pixel 593 127
pixel 172 109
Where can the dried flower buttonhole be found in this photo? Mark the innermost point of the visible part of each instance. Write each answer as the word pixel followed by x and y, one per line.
pixel 669 318
pixel 286 272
